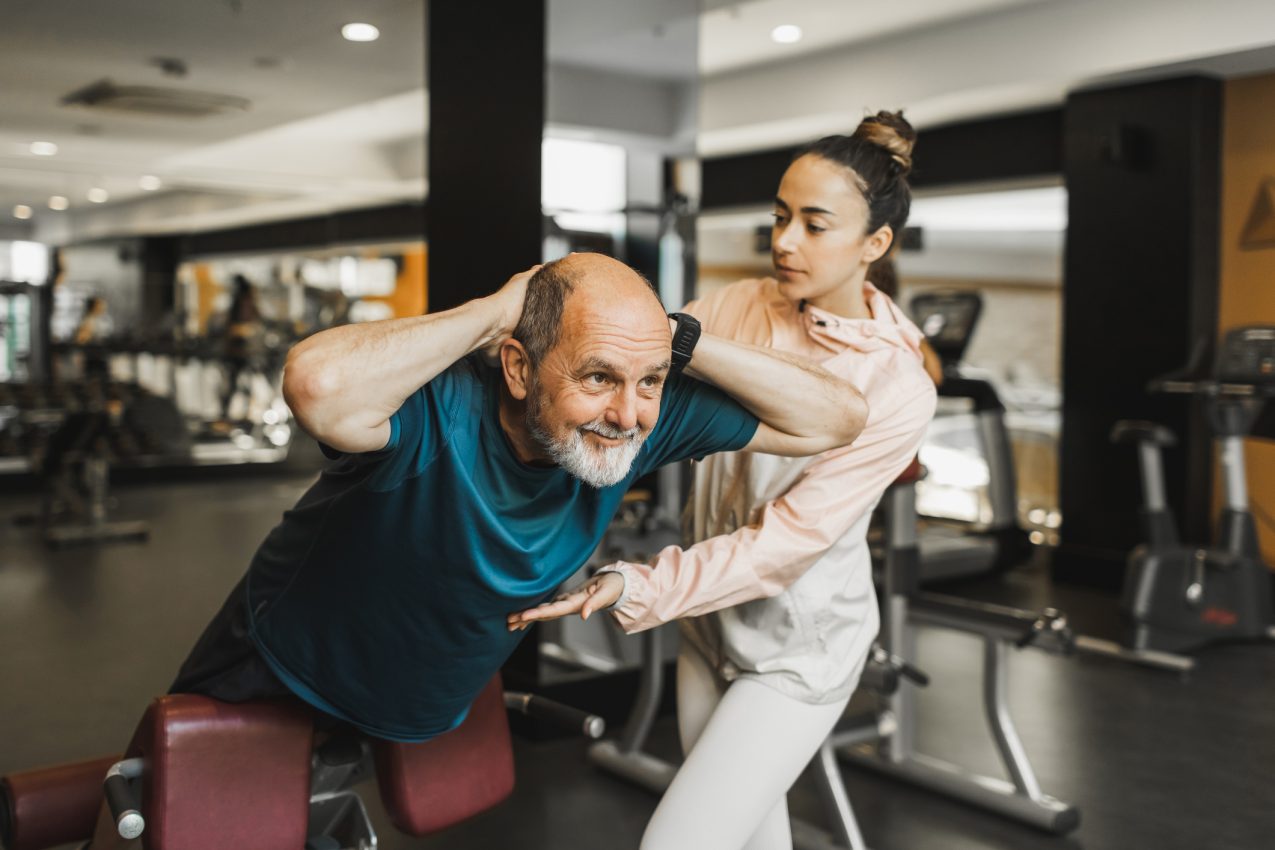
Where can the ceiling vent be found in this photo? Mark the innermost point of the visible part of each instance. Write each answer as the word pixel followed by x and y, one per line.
pixel 156 101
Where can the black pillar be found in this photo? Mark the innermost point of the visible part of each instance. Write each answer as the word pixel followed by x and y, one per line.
pixel 160 256
pixel 1142 167
pixel 486 81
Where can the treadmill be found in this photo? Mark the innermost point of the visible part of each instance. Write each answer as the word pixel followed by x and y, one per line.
pixel 969 502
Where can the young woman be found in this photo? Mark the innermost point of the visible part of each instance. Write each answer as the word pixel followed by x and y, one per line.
pixel 777 604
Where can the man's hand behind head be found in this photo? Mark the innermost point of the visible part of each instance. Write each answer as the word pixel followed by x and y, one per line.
pixel 510 298
pixel 508 301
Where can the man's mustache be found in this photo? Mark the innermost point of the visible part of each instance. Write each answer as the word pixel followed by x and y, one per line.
pixel 611 432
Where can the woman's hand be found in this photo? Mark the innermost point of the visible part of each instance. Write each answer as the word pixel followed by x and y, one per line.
pixel 601 591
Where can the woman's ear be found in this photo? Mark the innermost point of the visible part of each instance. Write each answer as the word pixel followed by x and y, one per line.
pixel 516 365
pixel 878 244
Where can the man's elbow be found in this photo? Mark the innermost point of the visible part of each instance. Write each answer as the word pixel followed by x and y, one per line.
pixel 306 385
pixel 853 420
pixel 837 430
pixel 858 418
pixel 839 425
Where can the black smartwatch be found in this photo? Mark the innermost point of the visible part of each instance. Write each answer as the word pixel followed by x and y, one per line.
pixel 684 339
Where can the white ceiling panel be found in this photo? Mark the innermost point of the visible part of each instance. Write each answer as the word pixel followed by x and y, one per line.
pixel 738 35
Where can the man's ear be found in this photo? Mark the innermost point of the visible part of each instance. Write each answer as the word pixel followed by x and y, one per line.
pixel 516 365
pixel 879 243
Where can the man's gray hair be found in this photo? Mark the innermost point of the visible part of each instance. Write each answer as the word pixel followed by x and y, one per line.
pixel 540 325
pixel 541 319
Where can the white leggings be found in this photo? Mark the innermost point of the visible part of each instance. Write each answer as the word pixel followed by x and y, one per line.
pixel 746 744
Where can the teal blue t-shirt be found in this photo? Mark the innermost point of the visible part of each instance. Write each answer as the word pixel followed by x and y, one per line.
pixel 381 597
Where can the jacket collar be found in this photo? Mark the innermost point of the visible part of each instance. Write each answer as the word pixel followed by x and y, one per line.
pixel 888 327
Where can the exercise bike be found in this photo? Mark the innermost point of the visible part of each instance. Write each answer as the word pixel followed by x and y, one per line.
pixel 75 469
pixel 983 536
pixel 1180 597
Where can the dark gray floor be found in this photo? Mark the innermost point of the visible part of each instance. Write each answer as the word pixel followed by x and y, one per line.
pixel 1153 761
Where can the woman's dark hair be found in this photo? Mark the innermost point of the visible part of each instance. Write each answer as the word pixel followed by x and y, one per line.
pixel 879 154
pixel 884 275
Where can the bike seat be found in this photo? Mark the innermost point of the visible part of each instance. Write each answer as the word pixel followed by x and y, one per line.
pixel 1140 431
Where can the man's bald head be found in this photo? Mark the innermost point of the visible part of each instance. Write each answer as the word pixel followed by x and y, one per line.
pixel 587 362
pixel 593 283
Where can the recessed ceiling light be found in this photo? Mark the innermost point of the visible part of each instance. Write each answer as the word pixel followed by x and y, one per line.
pixel 59 203
pixel 786 34
pixel 99 195
pixel 22 211
pixel 44 148
pixel 150 183
pixel 360 32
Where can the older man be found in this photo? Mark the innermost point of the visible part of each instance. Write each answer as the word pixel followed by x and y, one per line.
pixel 462 491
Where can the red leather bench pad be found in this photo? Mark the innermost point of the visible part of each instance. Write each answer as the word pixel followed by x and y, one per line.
pixel 427 787
pixel 54 805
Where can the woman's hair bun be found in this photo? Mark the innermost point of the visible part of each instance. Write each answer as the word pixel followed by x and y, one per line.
pixel 891 131
pixel 878 156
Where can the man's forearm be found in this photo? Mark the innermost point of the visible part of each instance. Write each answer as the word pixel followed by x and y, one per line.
pixel 344 384
pixel 786 392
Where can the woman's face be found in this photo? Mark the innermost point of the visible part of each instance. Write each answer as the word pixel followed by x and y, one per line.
pixel 819 243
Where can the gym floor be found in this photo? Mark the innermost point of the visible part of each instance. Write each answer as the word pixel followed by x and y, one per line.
pixel 1152 760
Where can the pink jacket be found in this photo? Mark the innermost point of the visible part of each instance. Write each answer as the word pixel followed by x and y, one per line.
pixel 780 586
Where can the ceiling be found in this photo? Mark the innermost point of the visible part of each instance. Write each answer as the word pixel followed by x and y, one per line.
pixel 677 39
pixel 333 124
pixel 293 68
pixel 738 35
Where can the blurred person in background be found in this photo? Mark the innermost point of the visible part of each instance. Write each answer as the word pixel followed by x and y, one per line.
pixel 96 327
pixel 96 324
pixel 241 338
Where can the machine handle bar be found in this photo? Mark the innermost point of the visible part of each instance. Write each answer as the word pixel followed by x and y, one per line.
pixel 540 708
pixel 122 799
pixel 1050 626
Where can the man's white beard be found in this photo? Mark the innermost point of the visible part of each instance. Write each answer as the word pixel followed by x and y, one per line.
pixel 597 466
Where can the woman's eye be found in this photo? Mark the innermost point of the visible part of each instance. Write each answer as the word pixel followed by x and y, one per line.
pixel 814 228
pixel 778 217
